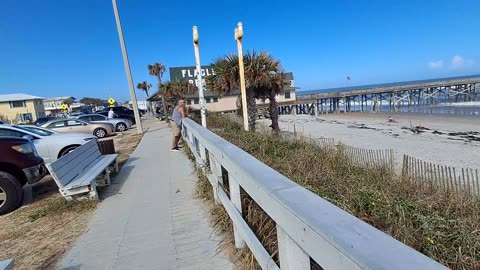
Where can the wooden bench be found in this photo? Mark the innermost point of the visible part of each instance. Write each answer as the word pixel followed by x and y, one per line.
pixel 77 172
pixel 7 264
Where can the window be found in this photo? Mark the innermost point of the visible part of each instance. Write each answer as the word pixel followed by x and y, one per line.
pixel 215 99
pixel 9 132
pixel 97 118
pixel 192 101
pixel 26 117
pixel 86 118
pixel 196 101
pixel 58 124
pixel 72 123
pixel 208 100
pixel 18 104
pixel 287 95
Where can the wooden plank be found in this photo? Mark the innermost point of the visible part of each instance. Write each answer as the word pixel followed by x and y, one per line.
pixel 467 179
pixel 7 264
pixel 261 254
pixel 88 155
pixel 72 155
pixel 292 256
pixel 457 185
pixel 79 168
pixel 237 202
pixel 477 177
pixel 452 182
pixel 87 176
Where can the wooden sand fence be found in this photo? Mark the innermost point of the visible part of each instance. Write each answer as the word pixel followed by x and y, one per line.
pixel 449 179
pixel 368 158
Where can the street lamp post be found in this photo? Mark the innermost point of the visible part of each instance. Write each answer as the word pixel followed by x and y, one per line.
pixel 238 38
pixel 199 76
pixel 127 69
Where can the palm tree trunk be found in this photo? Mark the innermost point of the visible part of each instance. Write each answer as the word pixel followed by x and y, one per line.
pixel 163 101
pixel 274 115
pixel 251 109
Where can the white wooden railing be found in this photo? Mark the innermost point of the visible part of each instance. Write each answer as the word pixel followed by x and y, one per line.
pixel 307 225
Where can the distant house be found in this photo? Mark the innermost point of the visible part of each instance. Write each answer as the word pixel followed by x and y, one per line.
pixel 53 106
pixel 21 108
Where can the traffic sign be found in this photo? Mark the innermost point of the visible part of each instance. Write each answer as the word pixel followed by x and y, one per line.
pixel 111 101
pixel 64 106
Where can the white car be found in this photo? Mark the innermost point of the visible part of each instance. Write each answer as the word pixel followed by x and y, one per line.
pixel 50 145
pixel 120 124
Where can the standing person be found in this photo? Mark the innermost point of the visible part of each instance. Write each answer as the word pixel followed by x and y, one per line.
pixel 176 123
pixel 111 114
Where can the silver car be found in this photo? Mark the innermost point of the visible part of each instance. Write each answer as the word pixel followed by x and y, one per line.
pixel 50 145
pixel 120 124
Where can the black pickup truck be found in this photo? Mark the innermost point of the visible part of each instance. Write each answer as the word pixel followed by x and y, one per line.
pixel 19 164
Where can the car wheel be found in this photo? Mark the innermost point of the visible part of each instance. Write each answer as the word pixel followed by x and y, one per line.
pixel 100 132
pixel 11 193
pixel 67 150
pixel 121 127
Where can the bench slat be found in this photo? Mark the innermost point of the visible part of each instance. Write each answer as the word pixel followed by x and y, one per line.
pixel 7 264
pixel 78 163
pixel 89 174
pixel 79 166
pixel 72 155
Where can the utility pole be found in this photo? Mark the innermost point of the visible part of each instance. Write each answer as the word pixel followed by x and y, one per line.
pixel 127 70
pixel 238 38
pixel 196 44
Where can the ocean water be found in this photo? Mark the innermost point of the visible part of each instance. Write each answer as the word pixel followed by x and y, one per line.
pixel 450 110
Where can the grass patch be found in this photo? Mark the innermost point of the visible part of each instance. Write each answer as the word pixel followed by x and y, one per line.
pixel 442 226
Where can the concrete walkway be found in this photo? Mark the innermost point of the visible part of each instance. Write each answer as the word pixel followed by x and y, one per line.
pixel 148 218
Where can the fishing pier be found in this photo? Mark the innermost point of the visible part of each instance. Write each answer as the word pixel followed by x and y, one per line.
pixel 386 97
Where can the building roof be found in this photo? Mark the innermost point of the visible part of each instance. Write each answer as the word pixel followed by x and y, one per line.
pixel 16 97
pixel 59 98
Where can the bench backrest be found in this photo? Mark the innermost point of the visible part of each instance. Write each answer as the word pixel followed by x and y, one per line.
pixel 69 166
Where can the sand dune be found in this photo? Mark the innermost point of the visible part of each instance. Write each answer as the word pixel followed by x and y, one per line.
pixel 451 141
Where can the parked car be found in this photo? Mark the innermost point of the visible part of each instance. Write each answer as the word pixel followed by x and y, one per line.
pixel 42 120
pixel 120 112
pixel 50 146
pixel 100 130
pixel 39 129
pixel 120 124
pixel 19 164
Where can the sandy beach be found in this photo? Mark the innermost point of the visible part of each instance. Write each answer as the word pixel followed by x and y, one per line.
pixel 451 141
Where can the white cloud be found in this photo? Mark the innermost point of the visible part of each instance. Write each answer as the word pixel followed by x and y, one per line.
pixel 460 62
pixel 436 64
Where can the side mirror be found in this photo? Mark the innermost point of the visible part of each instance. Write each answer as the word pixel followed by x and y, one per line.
pixel 30 137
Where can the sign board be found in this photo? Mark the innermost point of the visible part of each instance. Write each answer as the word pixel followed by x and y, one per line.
pixel 111 101
pixel 190 74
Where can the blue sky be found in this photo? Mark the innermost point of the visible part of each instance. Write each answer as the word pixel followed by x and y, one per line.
pixel 57 47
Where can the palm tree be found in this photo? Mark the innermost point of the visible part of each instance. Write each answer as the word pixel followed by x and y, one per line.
pixel 144 86
pixel 158 70
pixel 174 90
pixel 263 80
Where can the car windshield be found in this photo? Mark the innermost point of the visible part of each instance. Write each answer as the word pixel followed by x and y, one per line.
pixel 35 131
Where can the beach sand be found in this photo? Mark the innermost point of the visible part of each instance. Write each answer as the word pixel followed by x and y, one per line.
pixel 440 144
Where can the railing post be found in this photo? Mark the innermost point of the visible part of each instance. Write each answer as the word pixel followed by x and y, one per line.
pixel 237 202
pixel 203 153
pixel 216 169
pixel 292 257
